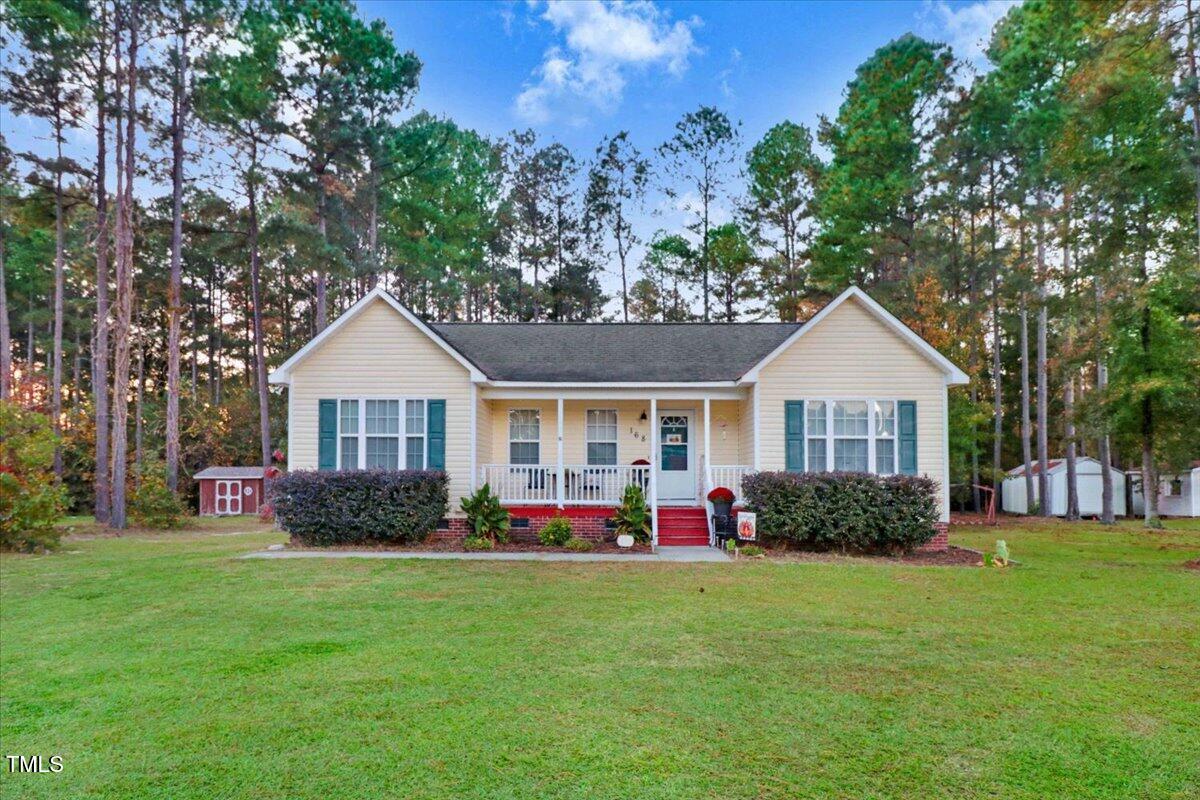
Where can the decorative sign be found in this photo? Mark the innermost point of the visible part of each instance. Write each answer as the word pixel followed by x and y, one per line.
pixel 249 490
pixel 747 526
pixel 673 438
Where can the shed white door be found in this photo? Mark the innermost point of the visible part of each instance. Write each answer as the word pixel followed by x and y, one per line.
pixel 676 456
pixel 229 497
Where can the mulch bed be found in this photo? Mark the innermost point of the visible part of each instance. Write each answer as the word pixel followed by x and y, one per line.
pixel 451 546
pixel 951 557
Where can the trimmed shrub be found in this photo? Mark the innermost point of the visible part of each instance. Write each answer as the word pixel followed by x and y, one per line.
pixel 556 532
pixel 579 545
pixel 354 506
pixel 844 510
pixel 477 543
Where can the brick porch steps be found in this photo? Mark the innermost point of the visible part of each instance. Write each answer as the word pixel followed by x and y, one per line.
pixel 682 527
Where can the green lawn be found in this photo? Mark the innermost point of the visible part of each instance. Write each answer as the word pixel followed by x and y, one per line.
pixel 158 665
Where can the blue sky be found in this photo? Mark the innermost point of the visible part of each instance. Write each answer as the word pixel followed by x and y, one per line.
pixel 640 66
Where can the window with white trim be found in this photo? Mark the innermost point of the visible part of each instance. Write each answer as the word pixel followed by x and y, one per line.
pixel 348 434
pixel 850 436
pixel 815 451
pixel 601 436
pixel 885 436
pixel 370 435
pixel 524 436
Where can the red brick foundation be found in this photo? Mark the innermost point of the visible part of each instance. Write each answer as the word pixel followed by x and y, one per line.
pixel 940 540
pixel 587 522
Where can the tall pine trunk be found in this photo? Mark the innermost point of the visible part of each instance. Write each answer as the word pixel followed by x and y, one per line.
pixel 1195 104
pixel 997 388
pixel 260 359
pixel 175 284
pixel 1026 424
pixel 1043 389
pixel 1107 512
pixel 101 488
pixel 1148 431
pixel 59 287
pixel 321 279
pixel 5 333
pixel 1068 377
pixel 124 283
pixel 139 409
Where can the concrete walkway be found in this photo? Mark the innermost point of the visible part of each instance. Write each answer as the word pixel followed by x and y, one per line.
pixel 663 554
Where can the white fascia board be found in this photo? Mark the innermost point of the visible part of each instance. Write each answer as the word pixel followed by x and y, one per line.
pixel 282 373
pixel 954 375
pixel 550 391
pixel 612 384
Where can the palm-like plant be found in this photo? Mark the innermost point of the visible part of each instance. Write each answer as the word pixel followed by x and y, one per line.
pixel 486 516
pixel 633 515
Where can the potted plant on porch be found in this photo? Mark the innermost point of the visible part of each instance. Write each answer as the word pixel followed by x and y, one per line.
pixel 722 500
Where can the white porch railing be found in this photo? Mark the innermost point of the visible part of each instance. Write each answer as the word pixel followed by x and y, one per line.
pixel 730 476
pixel 583 484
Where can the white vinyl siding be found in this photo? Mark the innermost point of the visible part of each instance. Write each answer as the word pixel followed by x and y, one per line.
pixel 379 354
pixel 851 355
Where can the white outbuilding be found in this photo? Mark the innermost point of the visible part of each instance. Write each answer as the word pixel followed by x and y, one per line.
pixel 1178 494
pixel 1087 479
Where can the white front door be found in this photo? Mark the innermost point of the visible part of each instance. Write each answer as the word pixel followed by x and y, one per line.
pixel 676 456
pixel 229 497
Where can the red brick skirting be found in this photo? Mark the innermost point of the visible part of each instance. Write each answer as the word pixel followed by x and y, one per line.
pixel 940 540
pixel 587 522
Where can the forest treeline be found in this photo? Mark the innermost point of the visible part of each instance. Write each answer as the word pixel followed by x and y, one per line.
pixel 256 166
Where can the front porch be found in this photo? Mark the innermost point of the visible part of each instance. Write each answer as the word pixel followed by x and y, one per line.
pixel 581 452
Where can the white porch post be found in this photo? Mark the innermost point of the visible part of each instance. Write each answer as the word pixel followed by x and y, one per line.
pixel 559 480
pixel 473 435
pixel 757 430
pixel 654 471
pixel 707 436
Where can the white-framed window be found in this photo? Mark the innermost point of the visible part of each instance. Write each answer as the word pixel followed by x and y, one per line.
pixel 601 436
pixel 856 435
pixel 414 434
pixel 524 436
pixel 373 434
pixel 348 434
pixel 816 454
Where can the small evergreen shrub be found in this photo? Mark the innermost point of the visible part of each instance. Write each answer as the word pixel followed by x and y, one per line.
pixel 31 502
pixel 355 506
pixel 487 518
pixel 556 532
pixel 577 545
pixel 152 504
pixel 477 543
pixel 751 551
pixel 633 516
pixel 844 510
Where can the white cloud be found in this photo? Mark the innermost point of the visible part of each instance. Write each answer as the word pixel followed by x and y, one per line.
pixel 602 44
pixel 966 27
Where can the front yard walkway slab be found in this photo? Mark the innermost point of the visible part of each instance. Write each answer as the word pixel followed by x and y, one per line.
pixel 664 554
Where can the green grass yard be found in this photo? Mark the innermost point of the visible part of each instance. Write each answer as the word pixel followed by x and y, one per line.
pixel 158 665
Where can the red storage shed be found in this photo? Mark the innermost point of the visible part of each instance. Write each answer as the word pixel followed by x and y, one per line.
pixel 230 490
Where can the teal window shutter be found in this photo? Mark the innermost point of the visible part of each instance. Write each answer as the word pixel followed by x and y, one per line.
pixel 906 412
pixel 327 435
pixel 435 429
pixel 794 430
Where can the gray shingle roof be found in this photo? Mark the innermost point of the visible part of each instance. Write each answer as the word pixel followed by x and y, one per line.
pixel 589 352
pixel 230 472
